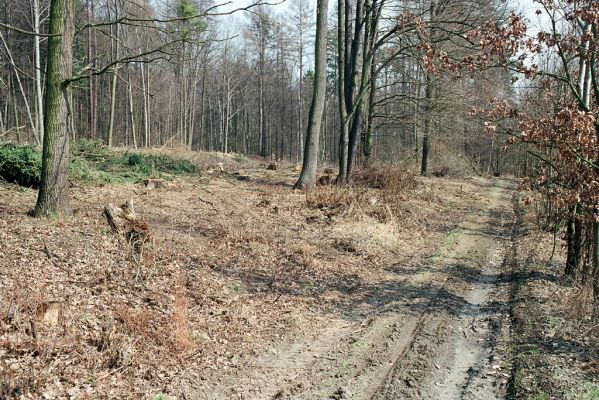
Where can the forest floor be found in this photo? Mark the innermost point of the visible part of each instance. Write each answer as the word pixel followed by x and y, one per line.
pixel 406 287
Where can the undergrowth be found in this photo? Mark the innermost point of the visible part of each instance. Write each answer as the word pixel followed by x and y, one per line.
pixel 20 164
pixel 91 161
pixel 376 192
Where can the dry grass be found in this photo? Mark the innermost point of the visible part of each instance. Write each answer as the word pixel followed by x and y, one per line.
pixel 377 193
pixel 392 180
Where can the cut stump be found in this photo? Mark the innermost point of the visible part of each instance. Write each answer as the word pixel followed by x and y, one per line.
pixel 124 220
pixel 326 180
pixel 155 184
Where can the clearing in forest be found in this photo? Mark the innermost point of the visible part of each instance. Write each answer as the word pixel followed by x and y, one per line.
pixel 397 288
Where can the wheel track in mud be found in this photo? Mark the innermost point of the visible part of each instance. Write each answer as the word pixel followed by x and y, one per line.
pixel 427 321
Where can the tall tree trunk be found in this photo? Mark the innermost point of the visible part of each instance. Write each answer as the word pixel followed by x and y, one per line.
pixel 370 117
pixel 202 112
pixel 145 84
pixel 262 128
pixel 16 116
pixel 300 119
pixel 38 70
pixel 308 175
pixel 427 125
pixel 192 115
pixel 341 66
pixel 369 29
pixel 131 112
pixel 115 71
pixel 91 81
pixel 571 262
pixel 53 196
pixel 112 105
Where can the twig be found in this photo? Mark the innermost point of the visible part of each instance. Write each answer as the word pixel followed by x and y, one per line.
pixel 207 202
pixel 51 257
pixel 277 299
pixel 107 374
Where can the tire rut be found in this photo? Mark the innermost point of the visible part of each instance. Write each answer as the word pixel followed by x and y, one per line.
pixel 453 355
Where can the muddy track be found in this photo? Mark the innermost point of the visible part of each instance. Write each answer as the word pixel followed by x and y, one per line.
pixel 435 332
pixel 455 353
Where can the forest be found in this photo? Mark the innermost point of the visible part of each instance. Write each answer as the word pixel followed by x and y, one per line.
pixel 289 199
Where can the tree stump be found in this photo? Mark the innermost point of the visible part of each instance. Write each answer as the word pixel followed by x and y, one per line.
pixel 241 175
pixel 124 220
pixel 272 166
pixel 155 184
pixel 325 180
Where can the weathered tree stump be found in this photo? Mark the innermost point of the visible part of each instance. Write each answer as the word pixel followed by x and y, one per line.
pixel 241 175
pixel 124 220
pixel 155 184
pixel 326 180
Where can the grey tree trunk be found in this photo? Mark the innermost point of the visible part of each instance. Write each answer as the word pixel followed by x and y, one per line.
pixel 300 116
pixel 308 175
pixel 132 113
pixel 115 70
pixel 427 125
pixel 145 84
pixel 38 70
pixel 91 97
pixel 341 65
pixel 53 196
pixel 370 117
pixel 261 106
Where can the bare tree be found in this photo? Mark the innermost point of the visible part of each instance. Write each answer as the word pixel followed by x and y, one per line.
pixel 308 175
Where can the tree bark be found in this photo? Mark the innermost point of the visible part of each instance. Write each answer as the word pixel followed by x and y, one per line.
pixel 341 65
pixel 370 117
pixel 53 196
pixel 261 116
pixel 115 70
pixel 308 175
pixel 427 125
pixel 38 70
pixel 131 112
pixel 595 257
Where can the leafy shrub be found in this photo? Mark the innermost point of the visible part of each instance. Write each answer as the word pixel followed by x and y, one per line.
pixel 20 164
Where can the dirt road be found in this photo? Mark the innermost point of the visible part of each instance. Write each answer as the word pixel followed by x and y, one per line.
pixel 433 332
